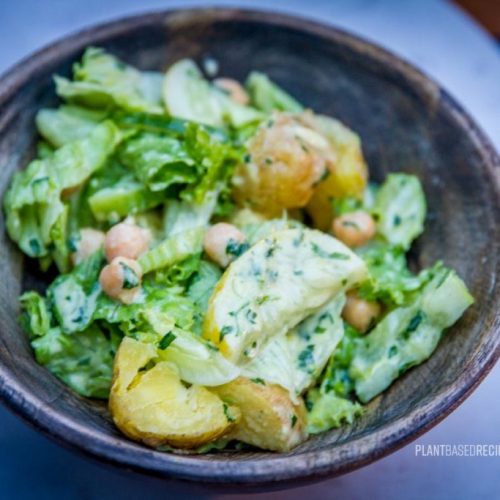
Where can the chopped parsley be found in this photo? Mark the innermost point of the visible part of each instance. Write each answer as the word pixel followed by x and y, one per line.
pixel 225 330
pixel 306 358
pixel 130 279
pixel 258 380
pixel 236 248
pixel 166 340
pixel 293 420
pixel 323 253
pixel 413 324
pixel 227 413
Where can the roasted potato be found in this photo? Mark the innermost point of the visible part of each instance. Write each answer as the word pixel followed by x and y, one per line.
pixel 348 174
pixel 154 406
pixel 269 419
pixel 286 159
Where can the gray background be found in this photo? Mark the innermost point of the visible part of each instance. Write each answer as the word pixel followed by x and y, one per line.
pixel 445 43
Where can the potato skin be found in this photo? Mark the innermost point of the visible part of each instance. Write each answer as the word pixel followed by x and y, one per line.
pixel 348 174
pixel 155 408
pixel 282 167
pixel 269 419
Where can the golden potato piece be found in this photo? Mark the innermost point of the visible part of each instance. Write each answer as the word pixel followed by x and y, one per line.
pixel 348 175
pixel 286 159
pixel 269 419
pixel 153 406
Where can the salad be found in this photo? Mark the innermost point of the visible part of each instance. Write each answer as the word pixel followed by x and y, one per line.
pixel 224 273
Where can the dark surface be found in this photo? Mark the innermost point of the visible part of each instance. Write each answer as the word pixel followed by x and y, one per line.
pixel 406 123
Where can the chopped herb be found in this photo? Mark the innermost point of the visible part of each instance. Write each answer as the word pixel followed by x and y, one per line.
pixel 227 413
pixel 270 123
pixel 35 247
pixel 322 253
pixel 270 251
pixel 251 315
pixel 413 324
pixel 130 279
pixel 268 161
pixel 236 248
pixel 258 380
pixel 247 158
pixel 339 256
pixel 166 340
pixel 262 299
pixel 225 330
pixel 320 329
pixel 73 243
pixel 298 272
pixel 293 420
pixel 392 351
pixel 306 358
pixel 397 220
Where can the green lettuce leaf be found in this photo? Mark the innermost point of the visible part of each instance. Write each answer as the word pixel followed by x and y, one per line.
pixel 36 317
pixel 126 197
pixel 83 361
pixel 73 297
pixel 67 123
pixel 173 250
pixel 188 95
pixel 408 335
pixel 390 280
pixel 158 161
pixel 201 289
pixel 102 81
pixel 400 209
pixel 33 204
pixel 328 411
pixel 267 96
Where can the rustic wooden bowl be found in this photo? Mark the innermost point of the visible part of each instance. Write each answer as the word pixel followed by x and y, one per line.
pixel 407 123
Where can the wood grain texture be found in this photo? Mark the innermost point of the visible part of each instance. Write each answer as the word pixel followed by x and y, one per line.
pixel 407 123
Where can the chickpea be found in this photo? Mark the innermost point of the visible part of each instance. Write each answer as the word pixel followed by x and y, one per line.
pixel 235 90
pixel 223 243
pixel 90 241
pixel 355 228
pixel 360 313
pixel 126 240
pixel 121 279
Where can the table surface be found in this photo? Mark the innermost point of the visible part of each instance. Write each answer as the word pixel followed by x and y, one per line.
pixel 442 41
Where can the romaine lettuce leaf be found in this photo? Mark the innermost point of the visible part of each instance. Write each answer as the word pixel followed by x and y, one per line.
pixel 267 96
pixel 389 279
pixel 408 335
pixel 158 161
pixel 73 297
pixel 188 95
pixel 180 216
pixel 200 290
pixel 33 204
pixel 173 250
pixel 328 411
pixel 312 342
pixel 400 209
pixel 36 317
pixel 83 360
pixel 102 81
pixel 126 197
pixel 67 123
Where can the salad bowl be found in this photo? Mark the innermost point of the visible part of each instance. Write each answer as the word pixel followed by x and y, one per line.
pixel 407 124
